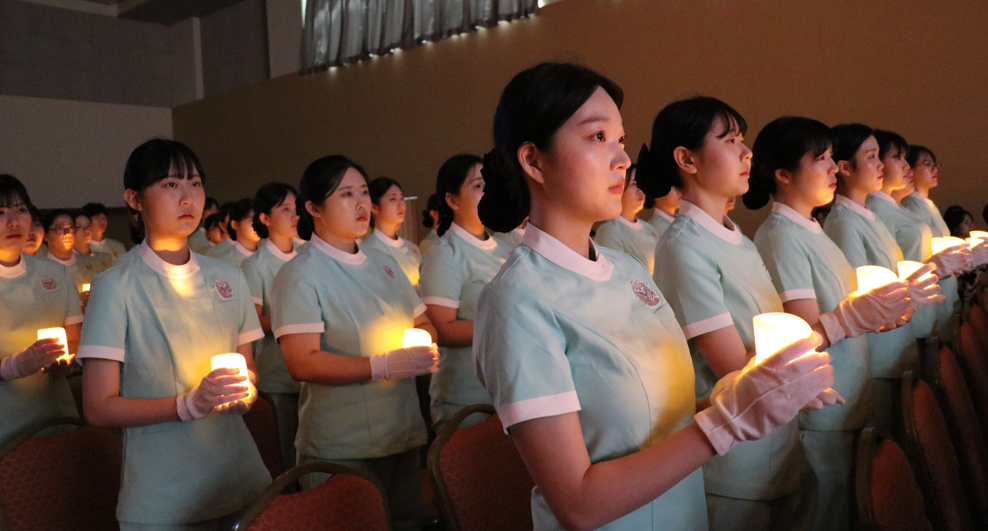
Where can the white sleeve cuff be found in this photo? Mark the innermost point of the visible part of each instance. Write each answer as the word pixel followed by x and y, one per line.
pixel 534 408
pixel 258 300
pixel 105 353
pixel 441 301
pixel 76 319
pixel 796 294
pixel 249 337
pixel 419 310
pixel 310 328
pixel 708 325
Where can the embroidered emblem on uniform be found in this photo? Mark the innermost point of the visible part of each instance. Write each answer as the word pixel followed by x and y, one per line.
pixel 388 271
pixel 223 289
pixel 645 294
pixel 49 283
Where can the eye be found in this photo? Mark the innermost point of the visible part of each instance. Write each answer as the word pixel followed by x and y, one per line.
pixel 599 136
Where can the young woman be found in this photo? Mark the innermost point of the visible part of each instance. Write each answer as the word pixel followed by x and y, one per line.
pixel 36 233
pixel 156 319
pixel 60 232
pixel 42 295
pixel 461 263
pixel 665 210
pixel 241 229
pixel 926 171
pixel 792 166
pixel 626 233
pixel 213 232
pixel 340 314
pixel 276 219
pixel 225 243
pixel 388 210
pixel 199 242
pixel 83 237
pixel 100 243
pixel 716 282
pixel 430 218
pixel 580 352
pixel 959 221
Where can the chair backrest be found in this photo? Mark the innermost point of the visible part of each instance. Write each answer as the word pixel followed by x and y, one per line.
pixel 887 495
pixel 261 424
pixel 350 500
pixel 480 478
pixel 933 457
pixel 68 481
pixel 976 316
pixel 975 365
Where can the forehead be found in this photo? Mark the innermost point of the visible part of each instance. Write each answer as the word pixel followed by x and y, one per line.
pixel 394 190
pixel 352 177
pixel 62 220
pixel 599 109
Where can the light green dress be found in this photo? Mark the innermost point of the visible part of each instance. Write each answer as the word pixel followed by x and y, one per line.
pixel 233 254
pixel 806 264
pixel 428 241
pixel 34 294
pixel 110 246
pixel 218 250
pixel 714 278
pixel 406 253
pixel 512 238
pixel 557 333
pixel 637 239
pixel 199 242
pixel 82 268
pixel 163 323
pixel 926 210
pixel 453 274
pixel 660 221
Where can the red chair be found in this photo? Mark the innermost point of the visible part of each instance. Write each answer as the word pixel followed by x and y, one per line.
pixel 888 497
pixel 350 500
pixel 481 480
pixel 263 428
pixel 979 324
pixel 975 365
pixel 68 481
pixel 933 457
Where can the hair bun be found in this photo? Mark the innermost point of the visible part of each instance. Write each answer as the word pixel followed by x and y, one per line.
pixel 506 199
pixel 647 176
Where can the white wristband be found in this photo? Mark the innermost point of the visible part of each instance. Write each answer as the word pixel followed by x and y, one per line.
pixel 831 325
pixel 379 368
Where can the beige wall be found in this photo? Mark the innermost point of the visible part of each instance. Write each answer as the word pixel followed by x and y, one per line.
pixel 916 67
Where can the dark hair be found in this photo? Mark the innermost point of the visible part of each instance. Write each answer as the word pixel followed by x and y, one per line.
pixel 52 215
pixel 683 123
pixel 12 191
pixel 211 202
pixel 151 161
pixel 35 214
pixel 984 214
pixel 450 179
pixel 318 182
pixel 954 216
pixel 241 209
pixel 533 106
pixel 914 153
pixel 781 144
pixel 93 209
pixel 81 214
pixel 887 141
pixel 847 139
pixel 266 199
pixel 213 220
pixel 432 205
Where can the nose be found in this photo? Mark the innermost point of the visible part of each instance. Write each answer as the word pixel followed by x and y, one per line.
pixel 622 161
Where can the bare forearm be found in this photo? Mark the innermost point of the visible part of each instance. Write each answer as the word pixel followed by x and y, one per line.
pixel 455 334
pixel 328 369
pixel 120 412
pixel 265 323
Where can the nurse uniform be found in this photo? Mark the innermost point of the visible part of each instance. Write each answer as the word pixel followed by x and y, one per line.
pixel 361 304
pixel 163 323
pixel 660 221
pixel 805 264
pixel 427 242
pixel 273 378
pixel 218 250
pixel 715 278
pixel 198 241
pixel 453 275
pixel 82 268
pixel 637 239
pixel 34 294
pixel 406 253
pixel 557 333
pixel 111 246
pixel 233 254
pixel 513 238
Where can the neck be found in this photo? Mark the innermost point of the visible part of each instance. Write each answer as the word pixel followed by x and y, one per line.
pixel 630 214
pixel 899 194
pixel 925 192
pixel 571 232
pixel 98 237
pixel 666 209
pixel 10 257
pixel 347 245
pixel 713 205
pixel 473 226
pixel 61 254
pixel 388 229
pixel 84 250
pixel 804 208
pixel 858 196
pixel 250 246
pixel 172 249
pixel 283 243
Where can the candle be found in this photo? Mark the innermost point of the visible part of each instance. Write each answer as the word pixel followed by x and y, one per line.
pixel 774 331
pixel 980 234
pixel 978 253
pixel 871 277
pixel 232 361
pixel 59 334
pixel 416 337
pixel 85 288
pixel 940 244
pixel 908 267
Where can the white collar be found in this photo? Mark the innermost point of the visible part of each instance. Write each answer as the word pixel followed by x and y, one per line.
pixel 66 263
pixel 487 244
pixel 243 250
pixel 519 231
pixel 14 271
pixel 854 207
pixel 99 244
pixel 298 241
pixel 284 257
pixel 336 254
pixel 787 212
pixel 661 213
pixel 554 251
pixel 883 196
pixel 397 242
pixel 177 272
pixel 730 235
pixel 636 225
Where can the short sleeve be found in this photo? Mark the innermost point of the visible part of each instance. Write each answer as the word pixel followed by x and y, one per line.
pixel 442 279
pixel 104 332
pixel 255 282
pixel 295 304
pixel 520 357
pixel 788 266
pixel 691 283
pixel 250 326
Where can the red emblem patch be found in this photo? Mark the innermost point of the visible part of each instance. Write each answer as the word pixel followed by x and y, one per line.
pixel 49 283
pixel 223 289
pixel 646 294
pixel 388 271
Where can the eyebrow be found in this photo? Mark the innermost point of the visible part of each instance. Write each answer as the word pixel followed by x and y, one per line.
pixel 593 119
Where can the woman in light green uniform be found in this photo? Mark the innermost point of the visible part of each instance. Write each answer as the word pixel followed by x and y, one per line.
pixel 100 243
pixel 60 236
pixel 580 352
pixel 626 232
pixel 340 313
pixel 83 237
pixel 716 282
pixel 156 319
pixel 792 165
pixel 665 210
pixel 41 294
pixel 276 220
pixel 244 239
pixel 430 217
pixel 388 210
pixel 464 260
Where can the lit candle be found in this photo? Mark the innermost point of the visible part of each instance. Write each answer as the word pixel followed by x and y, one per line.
pixel 978 253
pixel 85 288
pixel 980 234
pixel 871 277
pixel 940 244
pixel 908 267
pixel 774 331
pixel 59 334
pixel 416 337
pixel 231 361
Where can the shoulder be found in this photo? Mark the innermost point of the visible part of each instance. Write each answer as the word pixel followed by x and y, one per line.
pixel 216 266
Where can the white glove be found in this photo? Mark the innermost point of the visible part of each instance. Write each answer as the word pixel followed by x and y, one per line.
pixel 405 363
pixel 949 260
pixel 218 388
pixel 762 397
pixel 923 288
pixel 858 314
pixel 41 354
pixel 979 253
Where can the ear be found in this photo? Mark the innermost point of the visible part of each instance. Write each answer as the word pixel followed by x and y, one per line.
pixel 844 167
pixel 531 161
pixel 311 209
pixel 685 160
pixel 265 219
pixel 453 201
pixel 783 176
pixel 375 209
pixel 133 199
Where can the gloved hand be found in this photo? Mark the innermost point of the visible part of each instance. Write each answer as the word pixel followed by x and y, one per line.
pixel 949 260
pixel 979 253
pixel 40 355
pixel 923 288
pixel 762 397
pixel 405 363
pixel 219 387
pixel 868 312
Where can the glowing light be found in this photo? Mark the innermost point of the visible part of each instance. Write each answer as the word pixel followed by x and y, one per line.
pixel 871 277
pixel 908 267
pixel 416 337
pixel 85 287
pixel 59 334
pixel 775 331
pixel 229 361
pixel 980 234
pixel 940 244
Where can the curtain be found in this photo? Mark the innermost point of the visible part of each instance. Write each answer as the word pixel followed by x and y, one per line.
pixel 338 32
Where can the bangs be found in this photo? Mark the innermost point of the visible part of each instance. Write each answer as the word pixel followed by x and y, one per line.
pixel 732 120
pixel 12 192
